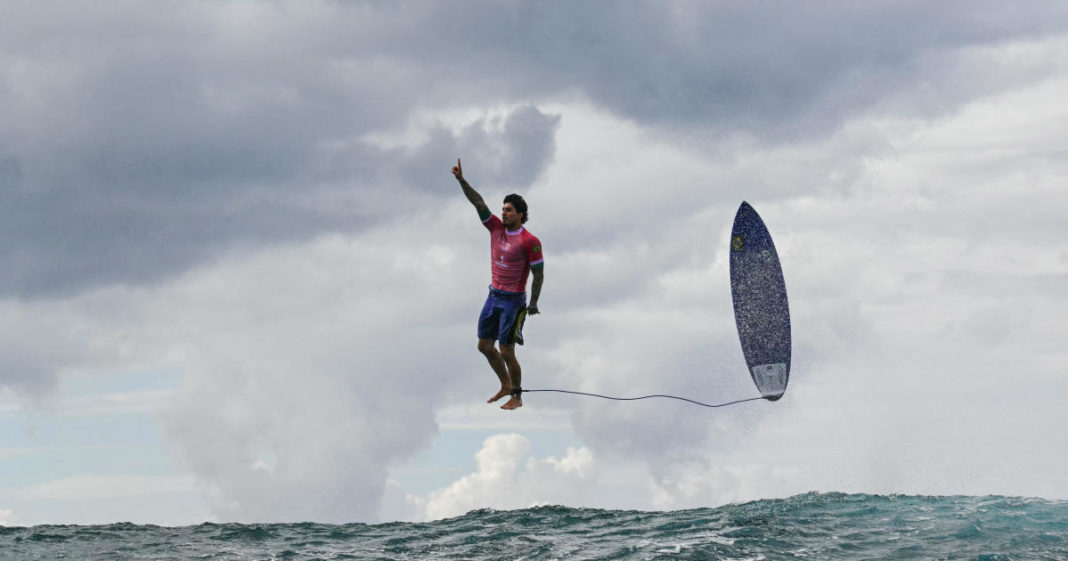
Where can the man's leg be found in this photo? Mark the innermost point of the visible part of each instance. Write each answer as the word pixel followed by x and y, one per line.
pixel 497 363
pixel 515 373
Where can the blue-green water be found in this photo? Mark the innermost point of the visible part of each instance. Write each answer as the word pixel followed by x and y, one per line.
pixel 811 526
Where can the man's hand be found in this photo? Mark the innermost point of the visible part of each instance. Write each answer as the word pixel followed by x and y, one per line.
pixel 532 310
pixel 458 170
pixel 470 193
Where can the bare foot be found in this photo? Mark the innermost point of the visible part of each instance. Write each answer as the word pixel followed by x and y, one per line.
pixel 514 403
pixel 504 391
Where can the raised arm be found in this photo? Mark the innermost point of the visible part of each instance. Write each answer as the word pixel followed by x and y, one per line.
pixel 469 191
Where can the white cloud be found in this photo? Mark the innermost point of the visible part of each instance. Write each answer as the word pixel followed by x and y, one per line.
pixel 304 379
pixel 8 518
pixel 921 228
pixel 307 363
pixel 139 147
pixel 474 414
pixel 925 262
pixel 8 452
pixel 112 486
pixel 507 476
pixel 112 403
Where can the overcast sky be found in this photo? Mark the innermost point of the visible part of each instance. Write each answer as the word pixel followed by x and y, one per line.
pixel 239 282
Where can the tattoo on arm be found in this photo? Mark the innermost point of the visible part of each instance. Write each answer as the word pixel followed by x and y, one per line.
pixel 474 197
pixel 535 287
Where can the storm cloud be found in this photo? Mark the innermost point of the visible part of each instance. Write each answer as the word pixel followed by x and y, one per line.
pixel 134 146
pixel 255 197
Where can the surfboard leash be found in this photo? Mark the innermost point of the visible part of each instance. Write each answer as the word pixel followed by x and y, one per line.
pixel 702 404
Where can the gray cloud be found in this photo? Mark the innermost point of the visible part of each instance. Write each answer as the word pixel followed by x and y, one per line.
pixel 136 146
pixel 144 210
pixel 298 417
pixel 132 155
pixel 785 72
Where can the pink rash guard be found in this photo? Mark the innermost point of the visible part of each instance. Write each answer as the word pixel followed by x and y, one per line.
pixel 513 253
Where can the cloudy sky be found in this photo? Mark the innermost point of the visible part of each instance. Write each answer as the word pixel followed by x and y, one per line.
pixel 239 283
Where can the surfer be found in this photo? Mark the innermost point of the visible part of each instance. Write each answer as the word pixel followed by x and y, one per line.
pixel 515 253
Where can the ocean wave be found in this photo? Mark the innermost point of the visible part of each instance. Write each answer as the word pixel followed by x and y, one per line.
pixel 809 526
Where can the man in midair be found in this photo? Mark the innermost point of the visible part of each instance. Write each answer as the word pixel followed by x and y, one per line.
pixel 515 253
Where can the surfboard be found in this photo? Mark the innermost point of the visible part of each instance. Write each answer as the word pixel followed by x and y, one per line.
pixel 761 310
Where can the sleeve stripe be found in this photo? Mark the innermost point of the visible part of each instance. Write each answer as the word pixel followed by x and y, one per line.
pixel 538 262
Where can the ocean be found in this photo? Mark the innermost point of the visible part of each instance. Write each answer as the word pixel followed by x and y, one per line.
pixel 810 526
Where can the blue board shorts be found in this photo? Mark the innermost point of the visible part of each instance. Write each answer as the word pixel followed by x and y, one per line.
pixel 502 317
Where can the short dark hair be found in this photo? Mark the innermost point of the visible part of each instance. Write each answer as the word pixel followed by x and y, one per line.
pixel 520 206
